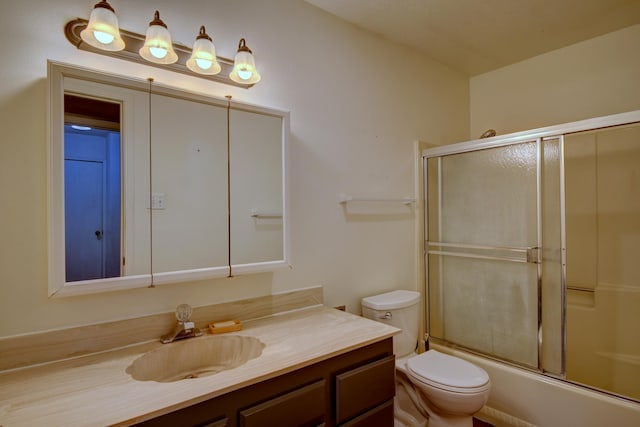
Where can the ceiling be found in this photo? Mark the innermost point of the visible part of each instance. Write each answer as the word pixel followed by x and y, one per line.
pixel 476 36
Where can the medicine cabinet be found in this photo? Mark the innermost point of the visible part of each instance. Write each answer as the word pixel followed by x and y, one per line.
pixel 150 185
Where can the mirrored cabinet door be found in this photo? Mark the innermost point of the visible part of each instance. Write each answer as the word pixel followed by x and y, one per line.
pixel 257 187
pixel 188 188
pixel 99 174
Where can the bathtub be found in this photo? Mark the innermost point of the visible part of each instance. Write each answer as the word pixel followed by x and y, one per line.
pixel 520 398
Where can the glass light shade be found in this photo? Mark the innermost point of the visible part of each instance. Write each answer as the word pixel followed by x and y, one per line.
pixel 158 47
pixel 203 56
pixel 244 66
pixel 102 31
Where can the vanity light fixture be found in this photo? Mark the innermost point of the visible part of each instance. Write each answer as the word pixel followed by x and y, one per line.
pixel 203 57
pixel 102 30
pixel 158 47
pixel 244 67
pixel 102 35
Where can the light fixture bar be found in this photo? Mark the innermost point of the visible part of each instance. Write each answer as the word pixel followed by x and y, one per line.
pixel 133 43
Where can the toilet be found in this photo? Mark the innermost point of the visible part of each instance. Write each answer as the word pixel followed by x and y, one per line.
pixel 432 388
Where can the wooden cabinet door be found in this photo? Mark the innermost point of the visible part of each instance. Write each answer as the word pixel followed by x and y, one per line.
pixel 302 407
pixel 380 416
pixel 362 389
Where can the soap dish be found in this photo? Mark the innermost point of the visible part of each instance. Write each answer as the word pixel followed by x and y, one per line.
pixel 225 326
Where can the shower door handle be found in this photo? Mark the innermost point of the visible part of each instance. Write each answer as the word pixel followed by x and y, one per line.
pixel 533 255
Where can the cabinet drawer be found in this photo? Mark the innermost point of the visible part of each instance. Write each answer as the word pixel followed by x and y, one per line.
pixel 302 407
pixel 220 423
pixel 364 388
pixel 380 416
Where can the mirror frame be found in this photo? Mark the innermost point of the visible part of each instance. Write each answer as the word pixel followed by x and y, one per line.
pixel 57 285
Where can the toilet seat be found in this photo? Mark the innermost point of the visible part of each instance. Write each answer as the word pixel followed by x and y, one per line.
pixel 447 373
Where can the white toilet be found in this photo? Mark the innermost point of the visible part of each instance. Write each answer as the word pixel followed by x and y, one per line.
pixel 432 388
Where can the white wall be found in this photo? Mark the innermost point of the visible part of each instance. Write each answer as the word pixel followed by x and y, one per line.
pixel 590 79
pixel 357 105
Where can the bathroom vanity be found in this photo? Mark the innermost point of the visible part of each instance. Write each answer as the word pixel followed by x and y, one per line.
pixel 352 389
pixel 318 366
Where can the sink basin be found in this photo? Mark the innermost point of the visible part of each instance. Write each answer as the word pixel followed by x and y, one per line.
pixel 194 358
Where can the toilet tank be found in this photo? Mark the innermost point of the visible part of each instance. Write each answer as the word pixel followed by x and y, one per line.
pixel 400 309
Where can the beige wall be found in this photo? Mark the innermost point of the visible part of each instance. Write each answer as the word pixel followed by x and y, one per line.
pixel 590 79
pixel 356 110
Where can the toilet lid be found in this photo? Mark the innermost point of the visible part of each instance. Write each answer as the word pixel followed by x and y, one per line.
pixel 447 371
pixel 392 300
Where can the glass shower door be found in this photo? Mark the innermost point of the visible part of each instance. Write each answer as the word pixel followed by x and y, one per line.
pixel 483 236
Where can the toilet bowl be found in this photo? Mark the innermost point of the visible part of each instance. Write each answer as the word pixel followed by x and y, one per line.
pixel 451 389
pixel 432 388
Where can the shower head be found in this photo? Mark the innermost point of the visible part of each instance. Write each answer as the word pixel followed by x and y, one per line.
pixel 488 133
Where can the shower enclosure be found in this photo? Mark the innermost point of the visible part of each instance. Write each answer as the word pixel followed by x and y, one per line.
pixel 532 250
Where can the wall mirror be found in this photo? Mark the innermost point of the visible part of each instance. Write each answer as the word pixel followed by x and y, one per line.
pixel 150 185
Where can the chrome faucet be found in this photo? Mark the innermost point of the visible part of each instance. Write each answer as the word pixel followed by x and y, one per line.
pixel 185 328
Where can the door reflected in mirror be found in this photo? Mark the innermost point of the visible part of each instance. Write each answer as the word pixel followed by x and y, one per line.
pixel 92 188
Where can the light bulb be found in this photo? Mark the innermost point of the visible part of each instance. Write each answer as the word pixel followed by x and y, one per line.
pixel 158 52
pixel 245 74
pixel 103 37
pixel 205 64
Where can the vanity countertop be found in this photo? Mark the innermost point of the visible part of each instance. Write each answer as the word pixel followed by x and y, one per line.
pixel 95 390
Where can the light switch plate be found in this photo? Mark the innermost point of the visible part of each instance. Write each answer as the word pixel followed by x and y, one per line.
pixel 157 201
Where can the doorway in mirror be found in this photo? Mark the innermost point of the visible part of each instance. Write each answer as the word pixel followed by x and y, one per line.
pixel 92 188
